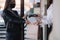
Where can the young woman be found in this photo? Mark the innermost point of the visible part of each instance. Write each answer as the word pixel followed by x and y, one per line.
pixel 12 21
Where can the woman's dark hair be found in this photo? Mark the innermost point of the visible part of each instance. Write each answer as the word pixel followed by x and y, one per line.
pixel 49 2
pixel 8 3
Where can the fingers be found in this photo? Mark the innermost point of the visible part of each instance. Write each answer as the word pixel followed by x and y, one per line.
pixel 35 23
pixel 27 22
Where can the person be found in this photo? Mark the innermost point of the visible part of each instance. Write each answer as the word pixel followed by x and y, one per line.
pixel 13 21
pixel 48 20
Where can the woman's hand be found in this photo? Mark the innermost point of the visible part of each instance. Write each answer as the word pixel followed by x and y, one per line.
pixel 24 17
pixel 27 22
pixel 37 23
pixel 39 15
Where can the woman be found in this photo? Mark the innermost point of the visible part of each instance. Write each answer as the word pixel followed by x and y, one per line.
pixel 12 21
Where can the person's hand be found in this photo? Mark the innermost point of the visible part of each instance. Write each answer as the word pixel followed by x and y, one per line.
pixel 39 15
pixel 27 22
pixel 37 23
pixel 24 17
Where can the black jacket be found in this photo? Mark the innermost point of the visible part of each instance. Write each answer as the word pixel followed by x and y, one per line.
pixel 13 21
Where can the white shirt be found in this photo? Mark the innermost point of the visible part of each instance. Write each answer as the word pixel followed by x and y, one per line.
pixel 50 14
pixel 48 19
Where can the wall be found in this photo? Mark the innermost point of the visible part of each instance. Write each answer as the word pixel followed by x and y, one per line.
pixel 55 34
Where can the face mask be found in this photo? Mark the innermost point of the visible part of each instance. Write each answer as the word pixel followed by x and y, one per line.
pixel 12 5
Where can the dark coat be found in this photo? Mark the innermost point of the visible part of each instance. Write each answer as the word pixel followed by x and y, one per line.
pixel 13 23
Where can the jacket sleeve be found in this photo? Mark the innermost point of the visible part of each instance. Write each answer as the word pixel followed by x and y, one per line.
pixel 13 14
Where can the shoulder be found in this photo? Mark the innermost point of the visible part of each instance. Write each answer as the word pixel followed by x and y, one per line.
pixel 15 11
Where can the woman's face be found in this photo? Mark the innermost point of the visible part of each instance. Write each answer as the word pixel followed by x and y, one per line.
pixel 12 5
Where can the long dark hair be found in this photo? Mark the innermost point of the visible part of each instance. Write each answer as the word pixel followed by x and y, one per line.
pixel 49 2
pixel 8 2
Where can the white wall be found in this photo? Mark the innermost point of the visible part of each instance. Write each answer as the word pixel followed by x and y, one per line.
pixel 55 34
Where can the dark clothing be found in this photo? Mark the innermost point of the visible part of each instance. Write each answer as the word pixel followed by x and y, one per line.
pixel 49 31
pixel 13 23
pixel 11 16
pixel 40 35
pixel 14 32
pixel 13 36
